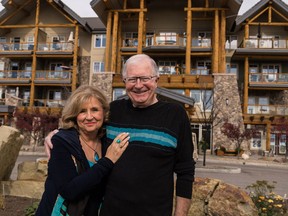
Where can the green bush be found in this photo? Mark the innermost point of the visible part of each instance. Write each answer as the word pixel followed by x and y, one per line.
pixel 31 210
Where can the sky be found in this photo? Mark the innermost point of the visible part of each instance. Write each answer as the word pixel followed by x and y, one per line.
pixel 83 8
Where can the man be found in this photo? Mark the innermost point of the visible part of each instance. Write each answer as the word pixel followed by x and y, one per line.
pixel 142 181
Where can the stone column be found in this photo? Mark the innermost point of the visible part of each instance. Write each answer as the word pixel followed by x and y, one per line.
pixel 104 82
pixel 227 106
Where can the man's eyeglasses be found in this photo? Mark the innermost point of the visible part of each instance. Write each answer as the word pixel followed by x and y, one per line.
pixel 143 79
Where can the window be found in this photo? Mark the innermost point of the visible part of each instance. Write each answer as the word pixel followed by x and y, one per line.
pixel 57 42
pixel 203 98
pixel 253 68
pixel 263 105
pixel 26 97
pixel 231 42
pixel 272 71
pixel 256 141
pixel 54 95
pixel 30 42
pixel 251 105
pixel 100 40
pixel 28 70
pixel 166 38
pixel 167 67
pixel 232 69
pixel 131 39
pixel 16 43
pixel 204 39
pixel 3 39
pixel 98 67
pixel 117 92
pixel 203 68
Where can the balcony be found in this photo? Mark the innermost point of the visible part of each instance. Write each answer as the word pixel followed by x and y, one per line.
pixel 43 47
pixel 268 79
pixel 47 103
pixel 53 77
pixel 55 47
pixel 265 43
pixel 15 77
pixel 172 41
pixel 281 110
pixel 45 77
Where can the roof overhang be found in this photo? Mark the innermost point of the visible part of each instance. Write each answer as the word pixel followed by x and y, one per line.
pixel 169 95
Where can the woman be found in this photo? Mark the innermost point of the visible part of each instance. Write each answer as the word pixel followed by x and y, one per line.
pixel 76 169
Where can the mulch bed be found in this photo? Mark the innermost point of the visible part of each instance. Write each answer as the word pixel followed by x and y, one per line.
pixel 15 206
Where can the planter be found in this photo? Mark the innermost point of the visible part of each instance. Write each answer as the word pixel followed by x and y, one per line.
pixel 220 152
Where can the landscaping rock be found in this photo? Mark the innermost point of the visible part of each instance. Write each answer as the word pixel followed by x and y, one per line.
pixel 10 144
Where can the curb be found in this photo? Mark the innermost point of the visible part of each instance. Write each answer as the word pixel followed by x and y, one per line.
pixel 219 169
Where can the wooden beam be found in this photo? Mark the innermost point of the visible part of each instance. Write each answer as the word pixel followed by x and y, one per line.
pixel 108 42
pixel 215 56
pixel 114 42
pixel 188 38
pixel 15 12
pixel 75 59
pixel 246 82
pixel 34 59
pixel 203 9
pixel 222 50
pixel 40 26
pixel 135 10
pixel 119 60
pixel 140 27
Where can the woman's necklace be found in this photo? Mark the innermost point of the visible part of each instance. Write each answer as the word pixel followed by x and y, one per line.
pixel 96 156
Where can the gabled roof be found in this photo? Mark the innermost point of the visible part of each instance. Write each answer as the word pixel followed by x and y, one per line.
pixel 101 7
pixel 277 4
pixel 10 8
pixel 168 95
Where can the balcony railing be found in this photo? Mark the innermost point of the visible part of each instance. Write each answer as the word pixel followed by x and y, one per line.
pixel 13 74
pixel 41 76
pixel 55 46
pixel 44 46
pixel 268 109
pixel 268 77
pixel 266 43
pixel 167 40
pixel 48 103
pixel 59 75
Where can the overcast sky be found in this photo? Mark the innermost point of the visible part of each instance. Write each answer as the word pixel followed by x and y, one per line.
pixel 83 8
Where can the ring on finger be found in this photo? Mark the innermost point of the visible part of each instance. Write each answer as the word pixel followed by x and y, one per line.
pixel 118 141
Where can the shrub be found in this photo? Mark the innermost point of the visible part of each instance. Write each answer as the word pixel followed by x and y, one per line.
pixel 31 210
pixel 267 202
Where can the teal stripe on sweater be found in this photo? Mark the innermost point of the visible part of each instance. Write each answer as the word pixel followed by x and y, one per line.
pixel 144 135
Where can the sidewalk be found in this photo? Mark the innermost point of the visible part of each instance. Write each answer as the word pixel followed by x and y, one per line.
pixel 256 160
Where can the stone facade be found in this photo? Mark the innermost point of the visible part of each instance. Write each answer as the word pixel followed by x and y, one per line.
pixel 84 70
pixel 104 82
pixel 227 106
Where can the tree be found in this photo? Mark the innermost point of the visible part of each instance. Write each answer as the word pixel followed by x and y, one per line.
pixel 207 112
pixel 237 133
pixel 35 123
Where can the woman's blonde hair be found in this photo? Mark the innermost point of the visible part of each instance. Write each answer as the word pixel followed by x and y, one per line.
pixel 74 103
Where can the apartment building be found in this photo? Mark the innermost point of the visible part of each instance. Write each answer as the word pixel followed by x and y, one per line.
pixel 234 67
pixel 43 47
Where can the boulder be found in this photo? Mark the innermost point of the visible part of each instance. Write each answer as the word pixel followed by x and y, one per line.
pixel 31 189
pixel 214 197
pixel 29 170
pixel 10 144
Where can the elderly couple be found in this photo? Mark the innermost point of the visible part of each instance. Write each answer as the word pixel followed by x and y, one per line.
pixel 122 160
